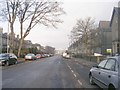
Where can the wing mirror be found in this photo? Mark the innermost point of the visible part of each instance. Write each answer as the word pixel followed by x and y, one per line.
pixel 96 66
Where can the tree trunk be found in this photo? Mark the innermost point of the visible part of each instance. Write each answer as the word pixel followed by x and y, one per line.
pixel 20 46
pixel 22 38
pixel 11 43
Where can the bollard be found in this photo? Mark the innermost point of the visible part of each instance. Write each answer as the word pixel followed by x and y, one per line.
pixel 98 59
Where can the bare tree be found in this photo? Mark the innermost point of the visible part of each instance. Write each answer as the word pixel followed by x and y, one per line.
pixel 9 13
pixel 82 31
pixel 35 12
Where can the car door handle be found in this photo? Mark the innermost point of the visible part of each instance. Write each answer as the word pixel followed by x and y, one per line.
pixel 109 76
pixel 99 73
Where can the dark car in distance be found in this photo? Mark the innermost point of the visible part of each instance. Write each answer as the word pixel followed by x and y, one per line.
pixel 8 59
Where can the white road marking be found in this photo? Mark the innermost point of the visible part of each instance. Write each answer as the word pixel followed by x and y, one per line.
pixel 72 71
pixel 79 82
pixel 74 75
pixel 59 62
pixel 68 66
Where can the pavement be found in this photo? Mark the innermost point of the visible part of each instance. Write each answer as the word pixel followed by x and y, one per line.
pixel 21 60
pixel 84 62
pixel 52 72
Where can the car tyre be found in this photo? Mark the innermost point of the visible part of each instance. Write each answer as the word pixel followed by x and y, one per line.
pixel 111 87
pixel 16 62
pixel 91 79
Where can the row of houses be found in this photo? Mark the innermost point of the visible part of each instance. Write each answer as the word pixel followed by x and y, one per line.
pixel 106 39
pixel 27 47
pixel 0 40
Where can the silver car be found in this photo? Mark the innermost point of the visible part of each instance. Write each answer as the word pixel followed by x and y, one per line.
pixel 30 56
pixel 106 74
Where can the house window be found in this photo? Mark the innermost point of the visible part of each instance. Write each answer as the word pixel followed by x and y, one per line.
pixel 118 47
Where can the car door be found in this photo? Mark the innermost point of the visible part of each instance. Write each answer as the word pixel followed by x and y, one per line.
pixel 12 58
pixel 118 73
pixel 110 74
pixel 97 72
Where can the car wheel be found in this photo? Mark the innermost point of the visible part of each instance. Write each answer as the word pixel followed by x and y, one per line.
pixel 7 63
pixel 111 87
pixel 16 62
pixel 91 80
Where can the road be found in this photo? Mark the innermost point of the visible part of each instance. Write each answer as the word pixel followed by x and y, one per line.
pixel 52 72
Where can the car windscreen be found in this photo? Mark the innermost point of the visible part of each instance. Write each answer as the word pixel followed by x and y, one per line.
pixel 30 55
pixel 3 56
pixel 38 55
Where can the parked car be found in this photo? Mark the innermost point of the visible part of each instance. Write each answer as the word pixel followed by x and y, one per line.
pixel 66 55
pixel 38 56
pixel 47 55
pixel 8 59
pixel 30 56
pixel 51 55
pixel 106 74
pixel 43 55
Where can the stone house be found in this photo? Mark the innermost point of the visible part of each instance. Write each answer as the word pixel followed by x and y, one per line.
pixel 115 27
pixel 105 36
pixel 1 30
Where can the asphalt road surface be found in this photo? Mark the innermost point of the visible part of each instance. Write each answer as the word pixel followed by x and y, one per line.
pixel 52 72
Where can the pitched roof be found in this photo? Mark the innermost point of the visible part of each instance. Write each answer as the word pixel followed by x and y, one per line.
pixel 104 24
pixel 116 11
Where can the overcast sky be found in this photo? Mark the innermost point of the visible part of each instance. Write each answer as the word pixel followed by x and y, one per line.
pixel 75 9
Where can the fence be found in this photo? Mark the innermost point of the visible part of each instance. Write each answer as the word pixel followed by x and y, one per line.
pixel 89 58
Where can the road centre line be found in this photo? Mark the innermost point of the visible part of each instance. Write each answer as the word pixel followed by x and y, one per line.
pixel 75 75
pixel 68 66
pixel 79 82
pixel 72 71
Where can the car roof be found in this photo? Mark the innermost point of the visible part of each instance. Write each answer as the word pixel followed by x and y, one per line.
pixel 38 54
pixel 30 54
pixel 115 57
pixel 4 53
